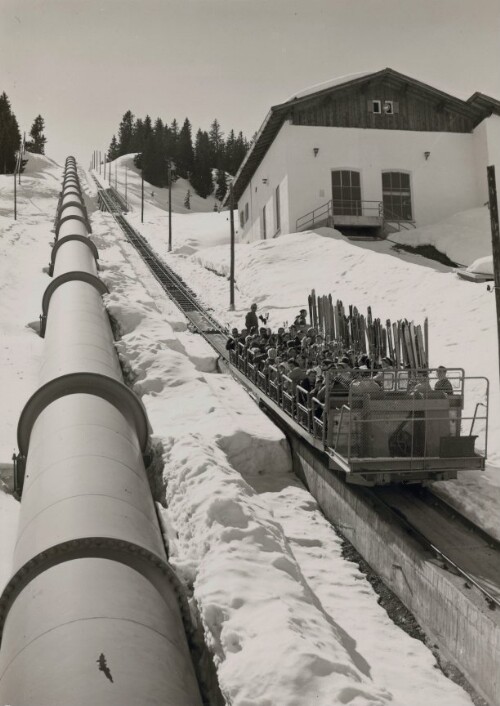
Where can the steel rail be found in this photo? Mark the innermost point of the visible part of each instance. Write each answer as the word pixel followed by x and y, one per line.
pixel 171 283
pixel 185 300
pixel 492 601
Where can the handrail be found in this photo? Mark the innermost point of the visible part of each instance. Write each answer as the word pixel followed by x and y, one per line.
pixel 325 209
pixel 354 207
pixel 392 217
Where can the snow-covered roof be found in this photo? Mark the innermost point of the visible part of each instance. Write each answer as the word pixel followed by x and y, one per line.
pixel 332 83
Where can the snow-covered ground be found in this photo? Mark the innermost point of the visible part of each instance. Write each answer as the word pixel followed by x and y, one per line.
pixel 288 620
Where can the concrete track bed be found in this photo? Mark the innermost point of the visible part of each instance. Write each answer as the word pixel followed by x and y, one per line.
pixel 454 616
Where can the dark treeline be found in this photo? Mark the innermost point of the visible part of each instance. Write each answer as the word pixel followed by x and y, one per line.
pixel 10 137
pixel 158 143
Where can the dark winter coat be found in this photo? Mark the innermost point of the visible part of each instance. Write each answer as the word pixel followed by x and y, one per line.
pixel 251 321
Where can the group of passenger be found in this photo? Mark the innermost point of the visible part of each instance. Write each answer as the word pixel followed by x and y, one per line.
pixel 301 354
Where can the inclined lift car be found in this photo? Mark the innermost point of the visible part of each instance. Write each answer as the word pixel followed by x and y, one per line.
pixel 397 430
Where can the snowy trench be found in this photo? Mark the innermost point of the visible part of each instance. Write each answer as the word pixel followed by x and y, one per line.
pixel 287 620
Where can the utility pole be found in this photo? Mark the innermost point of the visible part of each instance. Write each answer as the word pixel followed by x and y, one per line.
pixel 99 161
pixel 495 241
pixel 231 271
pixel 116 178
pixel 104 168
pixel 126 172
pixel 142 196
pixel 169 207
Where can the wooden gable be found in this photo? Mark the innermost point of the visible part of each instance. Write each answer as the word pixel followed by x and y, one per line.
pixel 410 105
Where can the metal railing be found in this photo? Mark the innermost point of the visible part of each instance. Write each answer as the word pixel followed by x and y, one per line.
pixel 412 415
pixel 339 207
pixel 389 216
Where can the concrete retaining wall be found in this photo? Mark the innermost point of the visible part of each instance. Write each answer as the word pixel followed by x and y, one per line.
pixel 457 619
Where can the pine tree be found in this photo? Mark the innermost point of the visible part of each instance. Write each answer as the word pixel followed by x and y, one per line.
pixel 201 178
pixel 216 137
pixel 126 133
pixel 185 153
pixel 10 137
pixel 221 185
pixel 113 150
pixel 187 200
pixel 229 153
pixel 38 139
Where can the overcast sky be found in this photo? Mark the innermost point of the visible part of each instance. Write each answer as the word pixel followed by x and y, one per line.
pixel 82 63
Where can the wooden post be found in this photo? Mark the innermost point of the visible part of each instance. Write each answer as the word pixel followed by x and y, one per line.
pixel 104 166
pixel 231 271
pixel 495 241
pixel 15 195
pixel 169 206
pixel 142 196
pixel 126 180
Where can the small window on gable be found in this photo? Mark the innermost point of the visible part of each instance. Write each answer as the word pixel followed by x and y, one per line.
pixel 246 212
pixel 376 107
pixel 242 219
pixel 389 107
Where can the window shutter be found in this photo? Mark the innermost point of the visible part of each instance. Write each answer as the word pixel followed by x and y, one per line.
pixel 395 107
pixel 369 106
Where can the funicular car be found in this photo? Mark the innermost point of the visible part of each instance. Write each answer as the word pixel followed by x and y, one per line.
pixel 382 427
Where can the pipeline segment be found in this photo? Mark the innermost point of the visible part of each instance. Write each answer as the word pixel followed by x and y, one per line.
pixel 93 612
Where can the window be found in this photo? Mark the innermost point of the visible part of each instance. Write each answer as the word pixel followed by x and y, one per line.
pixel 246 212
pixel 263 226
pixel 396 196
pixel 242 219
pixel 376 107
pixel 346 193
pixel 277 207
pixel 389 107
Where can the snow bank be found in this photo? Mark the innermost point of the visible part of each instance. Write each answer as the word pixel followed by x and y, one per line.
pixel 483 266
pixel 463 237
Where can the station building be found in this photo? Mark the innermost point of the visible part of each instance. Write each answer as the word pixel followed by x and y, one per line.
pixel 368 151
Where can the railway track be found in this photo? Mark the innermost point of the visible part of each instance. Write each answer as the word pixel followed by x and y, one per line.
pixel 172 284
pixel 462 547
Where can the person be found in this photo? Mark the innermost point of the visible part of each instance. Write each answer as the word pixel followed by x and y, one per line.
pixel 232 341
pixel 301 319
pixel 443 384
pixel 251 320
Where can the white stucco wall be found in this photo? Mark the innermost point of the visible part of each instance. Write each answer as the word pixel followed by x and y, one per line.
pixel 448 181
pixel 260 192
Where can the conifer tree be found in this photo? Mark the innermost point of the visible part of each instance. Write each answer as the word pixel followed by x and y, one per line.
pixel 221 185
pixel 201 178
pixel 113 150
pixel 10 137
pixel 187 200
pixel 185 153
pixel 216 138
pixel 38 139
pixel 126 133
